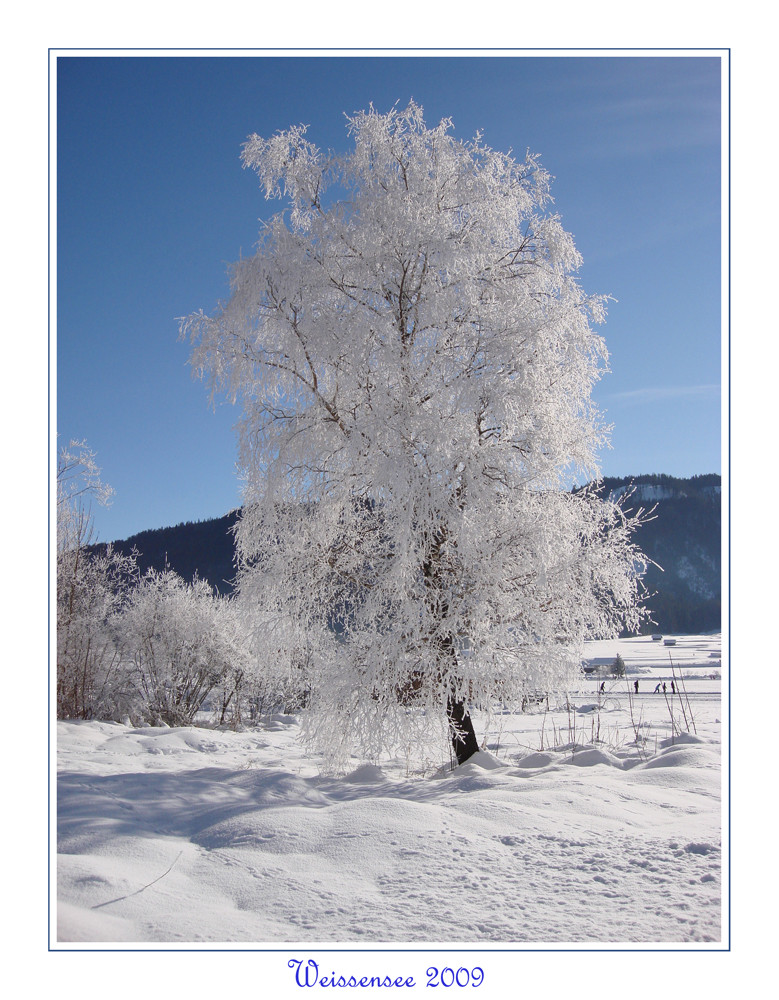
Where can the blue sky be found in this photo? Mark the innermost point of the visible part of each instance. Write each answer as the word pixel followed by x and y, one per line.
pixel 152 206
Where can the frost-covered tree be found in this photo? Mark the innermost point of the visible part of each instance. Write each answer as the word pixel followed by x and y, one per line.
pixel 78 483
pixel 90 589
pixel 414 358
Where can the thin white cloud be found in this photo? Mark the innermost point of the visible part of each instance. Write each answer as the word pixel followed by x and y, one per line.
pixel 656 393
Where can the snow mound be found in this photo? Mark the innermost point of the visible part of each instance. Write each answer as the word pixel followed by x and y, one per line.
pixel 368 774
pixel 475 766
pixel 682 738
pixel 483 759
pixel 277 722
pixel 676 756
pixel 163 740
pixel 590 756
pixel 537 759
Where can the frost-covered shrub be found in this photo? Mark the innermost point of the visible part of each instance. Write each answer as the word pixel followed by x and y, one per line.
pixel 91 680
pixel 181 640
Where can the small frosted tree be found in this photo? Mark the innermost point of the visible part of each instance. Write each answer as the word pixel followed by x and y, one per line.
pixel 78 484
pixel 90 592
pixel 414 358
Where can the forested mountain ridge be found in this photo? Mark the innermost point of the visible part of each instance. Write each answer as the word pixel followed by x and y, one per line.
pixel 684 538
pixel 205 548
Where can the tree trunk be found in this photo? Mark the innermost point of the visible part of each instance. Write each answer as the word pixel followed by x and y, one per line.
pixel 461 732
pixel 464 742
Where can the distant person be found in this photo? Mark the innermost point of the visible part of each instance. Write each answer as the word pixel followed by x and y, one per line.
pixel 664 687
pixel 635 686
pixel 603 687
pixel 673 689
pixel 657 688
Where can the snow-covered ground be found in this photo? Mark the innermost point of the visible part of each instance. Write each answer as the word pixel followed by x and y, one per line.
pixel 592 823
pixel 695 656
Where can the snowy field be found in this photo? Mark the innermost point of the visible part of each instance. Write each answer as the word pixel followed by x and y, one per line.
pixel 592 823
